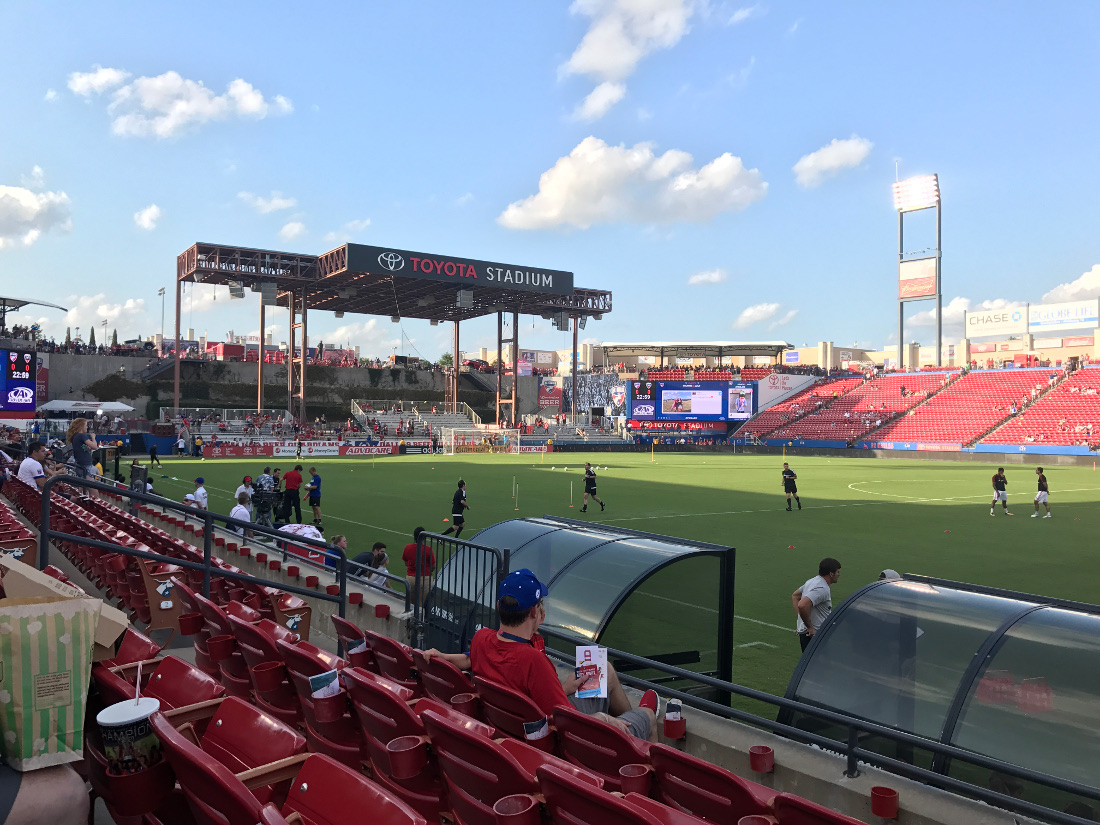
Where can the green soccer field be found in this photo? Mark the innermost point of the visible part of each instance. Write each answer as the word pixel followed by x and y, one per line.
pixel 922 517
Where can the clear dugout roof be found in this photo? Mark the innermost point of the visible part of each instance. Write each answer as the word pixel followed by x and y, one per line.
pixel 1007 675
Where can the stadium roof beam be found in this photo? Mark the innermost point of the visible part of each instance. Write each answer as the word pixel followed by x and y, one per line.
pixel 371 280
pixel 697 349
pixel 9 304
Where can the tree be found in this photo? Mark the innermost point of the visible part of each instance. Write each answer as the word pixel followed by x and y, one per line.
pixel 446 360
pixel 114 338
pixel 91 337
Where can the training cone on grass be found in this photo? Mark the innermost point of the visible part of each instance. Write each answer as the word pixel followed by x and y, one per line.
pixel 446 519
pixel 947 531
pixel 790 547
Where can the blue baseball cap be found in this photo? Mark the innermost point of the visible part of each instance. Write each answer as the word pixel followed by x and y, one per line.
pixel 200 480
pixel 523 586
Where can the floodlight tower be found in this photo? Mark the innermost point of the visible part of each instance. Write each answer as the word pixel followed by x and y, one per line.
pixel 918 278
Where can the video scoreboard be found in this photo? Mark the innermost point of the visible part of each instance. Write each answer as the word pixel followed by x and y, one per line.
pixel 17 390
pixel 715 401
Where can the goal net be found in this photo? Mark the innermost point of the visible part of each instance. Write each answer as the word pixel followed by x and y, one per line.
pixel 460 440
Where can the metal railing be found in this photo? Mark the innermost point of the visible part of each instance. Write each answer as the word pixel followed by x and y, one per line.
pixel 209 520
pixel 460 598
pixel 857 729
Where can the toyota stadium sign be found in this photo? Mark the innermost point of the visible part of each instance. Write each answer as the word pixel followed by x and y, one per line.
pixel 997 322
pixel 463 272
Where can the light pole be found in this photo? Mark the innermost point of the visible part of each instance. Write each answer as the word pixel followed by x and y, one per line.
pixel 104 324
pixel 160 347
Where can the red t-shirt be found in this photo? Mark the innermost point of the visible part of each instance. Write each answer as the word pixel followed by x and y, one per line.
pixel 292 479
pixel 522 667
pixel 427 560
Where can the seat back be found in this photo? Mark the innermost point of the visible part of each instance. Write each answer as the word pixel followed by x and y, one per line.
pixel 176 683
pixel 794 810
pixel 440 679
pixel 571 800
pixel 346 631
pixel 693 785
pixel 214 794
pixel 255 645
pixel 242 737
pixel 217 622
pixel 394 659
pixel 383 710
pixel 135 647
pixel 507 709
pixel 328 793
pixel 596 745
pixel 478 772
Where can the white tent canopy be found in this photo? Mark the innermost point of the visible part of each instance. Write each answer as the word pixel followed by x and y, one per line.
pixel 59 406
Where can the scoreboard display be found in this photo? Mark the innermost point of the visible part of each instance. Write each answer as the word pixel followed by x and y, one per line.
pixel 715 401
pixel 17 390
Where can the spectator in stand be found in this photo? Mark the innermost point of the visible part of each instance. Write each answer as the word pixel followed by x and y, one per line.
pixel 31 469
pixel 425 567
pixel 83 444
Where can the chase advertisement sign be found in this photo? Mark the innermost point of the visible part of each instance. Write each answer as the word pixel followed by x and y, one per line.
pixel 1008 321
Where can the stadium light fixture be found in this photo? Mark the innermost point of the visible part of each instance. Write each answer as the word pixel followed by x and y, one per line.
pixel 338 314
pixel 921 192
pixel 583 321
pixel 395 319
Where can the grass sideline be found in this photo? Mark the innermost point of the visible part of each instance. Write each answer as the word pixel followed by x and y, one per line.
pixel 922 517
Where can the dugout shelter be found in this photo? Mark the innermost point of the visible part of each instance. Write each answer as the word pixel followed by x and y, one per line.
pixel 1006 675
pixel 659 597
pixel 378 280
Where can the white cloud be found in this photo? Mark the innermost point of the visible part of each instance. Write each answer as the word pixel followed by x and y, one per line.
pixel 745 13
pixel 50 96
pixel 372 338
pixel 292 230
pixel 346 232
pixel 600 100
pixel 794 26
pixel 147 218
pixel 97 81
pixel 620 34
pixel 25 215
pixel 35 179
pixel 204 298
pixel 1087 286
pixel 644 114
pixel 597 183
pixel 755 315
pixel 265 206
pixel 168 105
pixel 87 311
pixel 708 276
pixel 786 319
pixel 464 199
pixel 831 159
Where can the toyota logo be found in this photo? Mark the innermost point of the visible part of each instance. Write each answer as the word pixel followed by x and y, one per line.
pixel 391 261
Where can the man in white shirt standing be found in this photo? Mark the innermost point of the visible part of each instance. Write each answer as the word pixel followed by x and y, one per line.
pixel 201 499
pixel 241 512
pixel 814 600
pixel 31 469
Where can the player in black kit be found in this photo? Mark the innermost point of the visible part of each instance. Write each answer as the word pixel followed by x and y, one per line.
pixel 789 487
pixel 999 492
pixel 458 504
pixel 590 488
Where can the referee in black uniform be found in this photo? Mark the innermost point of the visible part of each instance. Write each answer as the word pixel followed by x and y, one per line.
pixel 789 487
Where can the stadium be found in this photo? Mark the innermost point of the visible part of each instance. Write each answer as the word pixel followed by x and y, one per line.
pixel 297 572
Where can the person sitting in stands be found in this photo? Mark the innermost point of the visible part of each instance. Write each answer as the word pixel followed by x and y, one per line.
pixel 515 656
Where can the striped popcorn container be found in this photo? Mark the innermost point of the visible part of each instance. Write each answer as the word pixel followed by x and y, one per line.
pixel 45 666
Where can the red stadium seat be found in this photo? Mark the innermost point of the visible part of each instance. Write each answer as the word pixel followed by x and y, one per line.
pixel 571 800
pixel 440 679
pixel 257 644
pixel 394 660
pixel 597 746
pixel 698 787
pixel 794 810
pixel 509 710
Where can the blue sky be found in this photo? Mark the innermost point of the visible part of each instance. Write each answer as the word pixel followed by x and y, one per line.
pixel 723 168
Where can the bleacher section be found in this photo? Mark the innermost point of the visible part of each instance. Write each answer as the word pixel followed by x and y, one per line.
pixel 755 373
pixel 802 403
pixel 961 412
pixel 713 375
pixel 1067 415
pixel 666 375
pixel 404 741
pixel 866 407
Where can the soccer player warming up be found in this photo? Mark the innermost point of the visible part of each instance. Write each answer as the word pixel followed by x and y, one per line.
pixel 789 487
pixel 590 488
pixel 458 504
pixel 999 492
pixel 1041 496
